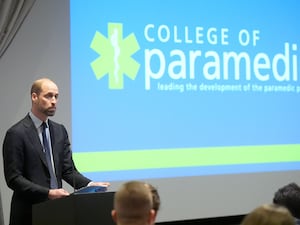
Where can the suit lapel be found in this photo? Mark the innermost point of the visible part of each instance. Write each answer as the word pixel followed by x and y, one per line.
pixel 31 131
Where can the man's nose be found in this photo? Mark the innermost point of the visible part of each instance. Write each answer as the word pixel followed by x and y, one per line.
pixel 53 99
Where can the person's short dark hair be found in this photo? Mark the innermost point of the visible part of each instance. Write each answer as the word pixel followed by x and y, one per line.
pixel 155 197
pixel 289 196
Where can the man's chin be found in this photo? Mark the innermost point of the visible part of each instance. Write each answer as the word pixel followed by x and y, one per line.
pixel 51 113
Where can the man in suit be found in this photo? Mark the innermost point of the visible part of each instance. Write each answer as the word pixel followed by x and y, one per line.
pixel 26 169
pixel 133 204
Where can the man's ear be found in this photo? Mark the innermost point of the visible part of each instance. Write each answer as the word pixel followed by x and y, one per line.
pixel 114 215
pixel 152 217
pixel 34 97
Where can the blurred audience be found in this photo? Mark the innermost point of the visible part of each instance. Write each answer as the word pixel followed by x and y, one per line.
pixel 269 214
pixel 289 196
pixel 133 204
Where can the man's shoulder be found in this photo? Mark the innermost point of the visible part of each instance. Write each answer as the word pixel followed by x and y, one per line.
pixel 21 124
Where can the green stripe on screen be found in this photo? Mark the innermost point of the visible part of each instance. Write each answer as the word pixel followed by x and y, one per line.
pixel 184 157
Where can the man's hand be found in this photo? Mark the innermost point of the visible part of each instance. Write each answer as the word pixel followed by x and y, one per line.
pixel 57 193
pixel 103 184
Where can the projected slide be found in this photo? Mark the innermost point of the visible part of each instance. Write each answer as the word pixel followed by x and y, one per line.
pixel 184 88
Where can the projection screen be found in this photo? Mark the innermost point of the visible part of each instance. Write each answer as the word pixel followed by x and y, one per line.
pixel 200 98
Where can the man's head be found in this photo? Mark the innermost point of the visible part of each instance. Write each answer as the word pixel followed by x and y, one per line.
pixel 44 96
pixel 289 196
pixel 269 214
pixel 133 205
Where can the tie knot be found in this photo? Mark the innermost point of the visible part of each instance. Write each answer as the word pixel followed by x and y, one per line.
pixel 44 125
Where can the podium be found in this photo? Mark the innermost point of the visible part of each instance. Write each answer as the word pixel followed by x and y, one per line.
pixel 77 209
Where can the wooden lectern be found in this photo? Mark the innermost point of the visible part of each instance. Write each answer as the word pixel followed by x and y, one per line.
pixel 76 209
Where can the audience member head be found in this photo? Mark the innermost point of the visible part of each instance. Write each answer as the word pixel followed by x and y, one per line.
pixel 269 214
pixel 289 196
pixel 155 197
pixel 133 205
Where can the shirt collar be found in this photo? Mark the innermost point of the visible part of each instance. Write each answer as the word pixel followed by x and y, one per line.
pixel 36 121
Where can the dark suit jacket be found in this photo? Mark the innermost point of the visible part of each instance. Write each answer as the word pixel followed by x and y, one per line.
pixel 25 167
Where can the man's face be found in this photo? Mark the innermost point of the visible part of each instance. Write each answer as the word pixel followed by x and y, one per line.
pixel 46 101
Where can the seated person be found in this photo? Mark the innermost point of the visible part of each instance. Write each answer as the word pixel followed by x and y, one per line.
pixel 289 196
pixel 133 205
pixel 269 214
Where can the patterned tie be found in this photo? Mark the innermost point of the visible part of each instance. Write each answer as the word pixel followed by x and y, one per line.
pixel 53 181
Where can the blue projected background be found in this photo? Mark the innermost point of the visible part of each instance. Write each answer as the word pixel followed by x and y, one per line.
pixel 185 88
